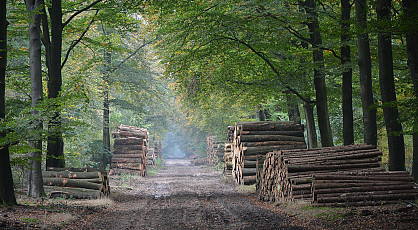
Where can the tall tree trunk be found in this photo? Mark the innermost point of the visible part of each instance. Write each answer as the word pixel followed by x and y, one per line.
pixel 365 69
pixel 292 108
pixel 7 195
pixel 410 8
pixel 261 115
pixel 319 75
pixel 387 88
pixel 55 147
pixel 310 125
pixel 348 130
pixel 35 184
pixel 106 111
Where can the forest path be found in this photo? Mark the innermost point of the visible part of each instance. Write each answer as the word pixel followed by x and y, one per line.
pixel 181 196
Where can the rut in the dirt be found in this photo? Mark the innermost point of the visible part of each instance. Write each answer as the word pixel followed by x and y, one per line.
pixel 183 196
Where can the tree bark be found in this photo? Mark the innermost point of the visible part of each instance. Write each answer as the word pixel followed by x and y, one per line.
pixel 410 8
pixel 347 105
pixel 365 71
pixel 387 88
pixel 319 75
pixel 310 125
pixel 7 195
pixel 106 111
pixel 55 146
pixel 292 108
pixel 35 184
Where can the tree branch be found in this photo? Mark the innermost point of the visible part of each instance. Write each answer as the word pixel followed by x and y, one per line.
pixel 270 64
pixel 74 43
pixel 79 12
pixel 131 55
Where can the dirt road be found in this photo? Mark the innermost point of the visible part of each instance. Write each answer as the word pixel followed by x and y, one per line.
pixel 181 196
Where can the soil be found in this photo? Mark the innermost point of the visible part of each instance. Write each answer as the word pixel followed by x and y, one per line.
pixel 184 196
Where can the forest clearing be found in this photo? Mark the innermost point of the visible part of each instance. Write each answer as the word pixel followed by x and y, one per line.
pixel 208 114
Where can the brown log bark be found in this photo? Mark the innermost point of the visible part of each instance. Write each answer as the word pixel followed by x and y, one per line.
pixel 273 143
pixel 66 182
pixel 129 141
pixel 126 160
pixel 264 138
pixel 269 126
pixel 68 174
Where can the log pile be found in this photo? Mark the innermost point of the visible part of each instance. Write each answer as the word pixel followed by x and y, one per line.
pixel 227 160
pixel 230 134
pixel 78 183
pixel 252 140
pixel 358 189
pixel 158 151
pixel 130 150
pixel 151 157
pixel 287 174
pixel 215 150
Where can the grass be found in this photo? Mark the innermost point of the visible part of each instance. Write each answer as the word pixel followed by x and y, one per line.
pixel 30 220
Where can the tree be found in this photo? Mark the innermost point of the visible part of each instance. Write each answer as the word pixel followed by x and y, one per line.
pixel 387 88
pixel 410 8
pixel 7 196
pixel 365 71
pixel 35 183
pixel 319 74
pixel 347 88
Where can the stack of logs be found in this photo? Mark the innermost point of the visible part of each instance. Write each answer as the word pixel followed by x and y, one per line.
pixel 215 150
pixel 358 189
pixel 78 183
pixel 228 158
pixel 287 175
pixel 130 150
pixel 252 140
pixel 158 151
pixel 151 157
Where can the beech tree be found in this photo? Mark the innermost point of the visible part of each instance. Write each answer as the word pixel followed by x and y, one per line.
pixel 7 196
pixel 410 9
pixel 387 88
pixel 35 183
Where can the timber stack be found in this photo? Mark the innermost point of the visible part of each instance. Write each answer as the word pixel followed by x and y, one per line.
pixel 130 150
pixel 215 150
pixel 158 151
pixel 253 140
pixel 77 183
pixel 227 160
pixel 287 174
pixel 359 189
pixel 151 157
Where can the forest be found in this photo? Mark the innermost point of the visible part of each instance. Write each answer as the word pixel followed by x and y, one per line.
pixel 72 71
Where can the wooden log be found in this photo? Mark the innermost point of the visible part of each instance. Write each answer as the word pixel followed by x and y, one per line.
pixel 269 126
pixel 312 168
pixel 73 175
pixel 274 143
pixel 329 185
pixel 85 169
pixel 411 195
pixel 117 151
pixel 66 182
pixel 128 155
pixel 249 180
pixel 129 141
pixel 368 178
pixel 366 188
pixel 126 160
pixel 76 193
pixel 298 133
pixel 264 138
pixel 128 147
pixel 248 172
pixel 252 151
